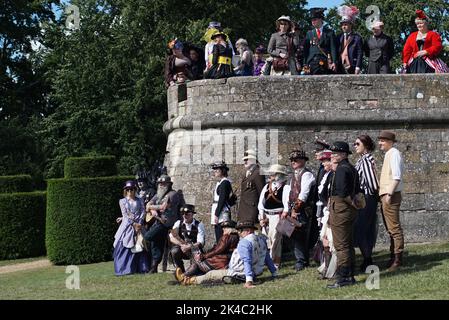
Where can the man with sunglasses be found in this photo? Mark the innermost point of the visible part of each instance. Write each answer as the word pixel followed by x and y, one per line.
pixel 187 236
pixel 250 188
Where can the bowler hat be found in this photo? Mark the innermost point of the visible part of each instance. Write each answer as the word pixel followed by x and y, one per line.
pixel 385 134
pixel 245 225
pixel 187 208
pixel 340 146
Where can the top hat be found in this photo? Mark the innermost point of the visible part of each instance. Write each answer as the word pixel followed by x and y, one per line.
pixel 298 154
pixel 220 165
pixel 249 154
pixel 187 208
pixel 317 13
pixel 340 146
pixel 385 134
pixel 164 178
pixel 420 15
pixel 245 225
pixel 130 184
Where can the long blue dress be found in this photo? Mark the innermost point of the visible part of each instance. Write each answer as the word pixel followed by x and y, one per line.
pixel 125 261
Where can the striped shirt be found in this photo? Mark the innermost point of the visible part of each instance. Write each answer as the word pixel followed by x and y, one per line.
pixel 366 167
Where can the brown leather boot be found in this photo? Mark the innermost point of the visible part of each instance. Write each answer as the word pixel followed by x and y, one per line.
pixel 179 275
pixel 189 281
pixel 396 263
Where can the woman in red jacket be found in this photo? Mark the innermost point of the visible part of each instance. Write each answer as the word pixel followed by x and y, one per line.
pixel 421 50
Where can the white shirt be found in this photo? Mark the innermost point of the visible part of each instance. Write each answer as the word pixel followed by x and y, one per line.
pixel 307 180
pixel 397 166
pixel 201 230
pixel 285 198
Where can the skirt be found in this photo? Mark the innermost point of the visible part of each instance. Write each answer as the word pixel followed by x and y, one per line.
pixel 126 262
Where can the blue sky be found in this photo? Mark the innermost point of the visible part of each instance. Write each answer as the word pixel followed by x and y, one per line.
pixel 322 3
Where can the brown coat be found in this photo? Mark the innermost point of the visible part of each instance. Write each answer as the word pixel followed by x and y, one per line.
pixel 219 256
pixel 250 190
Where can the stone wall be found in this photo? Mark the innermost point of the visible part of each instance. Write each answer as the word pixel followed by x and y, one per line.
pixel 211 120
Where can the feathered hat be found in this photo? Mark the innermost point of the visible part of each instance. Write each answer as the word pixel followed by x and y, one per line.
pixel 421 16
pixel 348 14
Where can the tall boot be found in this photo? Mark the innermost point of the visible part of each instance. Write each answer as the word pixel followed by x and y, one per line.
pixel 396 263
pixel 179 276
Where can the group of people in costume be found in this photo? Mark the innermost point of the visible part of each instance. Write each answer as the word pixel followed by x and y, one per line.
pixel 328 213
pixel 321 51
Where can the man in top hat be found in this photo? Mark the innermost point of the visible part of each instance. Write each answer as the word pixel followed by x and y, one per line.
pixel 320 46
pixel 273 202
pixel 379 49
pixel 345 185
pixel 247 261
pixel 250 188
pixel 164 207
pixel 390 194
pixel 350 42
pixel 301 204
pixel 187 236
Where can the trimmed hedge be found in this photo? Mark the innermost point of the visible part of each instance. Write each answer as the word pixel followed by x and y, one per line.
pixel 19 183
pixel 89 167
pixel 81 216
pixel 22 225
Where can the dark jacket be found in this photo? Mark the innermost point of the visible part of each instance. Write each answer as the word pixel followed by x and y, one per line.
pixel 327 43
pixel 345 181
pixel 250 189
pixel 355 49
pixel 219 256
pixel 379 48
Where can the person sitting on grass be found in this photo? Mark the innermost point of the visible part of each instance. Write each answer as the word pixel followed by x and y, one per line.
pixel 247 261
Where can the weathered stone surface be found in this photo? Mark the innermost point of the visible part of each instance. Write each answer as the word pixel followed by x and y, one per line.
pixel 274 114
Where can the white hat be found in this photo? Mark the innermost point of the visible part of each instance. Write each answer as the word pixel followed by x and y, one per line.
pixel 250 154
pixel 278 168
pixel 286 18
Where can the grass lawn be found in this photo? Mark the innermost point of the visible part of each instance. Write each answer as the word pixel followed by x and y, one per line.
pixel 425 276
pixel 10 262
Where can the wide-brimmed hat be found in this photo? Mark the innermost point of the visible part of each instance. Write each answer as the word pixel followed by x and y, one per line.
pixel 187 208
pixel 249 154
pixel 324 155
pixel 321 145
pixel 219 165
pixel 245 225
pixel 348 14
pixel 385 134
pixel 285 18
pixel 317 13
pixel 218 33
pixel 277 168
pixel 298 154
pixel 130 184
pixel 164 178
pixel 340 146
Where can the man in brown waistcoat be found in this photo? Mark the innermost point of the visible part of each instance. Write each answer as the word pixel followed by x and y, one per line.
pixel 345 184
pixel 390 193
pixel 250 188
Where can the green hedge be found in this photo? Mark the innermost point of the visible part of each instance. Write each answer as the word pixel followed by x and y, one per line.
pixel 81 217
pixel 19 183
pixel 89 167
pixel 22 225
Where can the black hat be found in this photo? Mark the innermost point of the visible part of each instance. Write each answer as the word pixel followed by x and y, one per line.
pixel 245 225
pixel 228 224
pixel 220 165
pixel 187 208
pixel 340 146
pixel 298 154
pixel 317 13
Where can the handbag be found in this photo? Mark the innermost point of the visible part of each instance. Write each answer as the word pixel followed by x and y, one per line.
pixel 139 244
pixel 287 226
pixel 281 64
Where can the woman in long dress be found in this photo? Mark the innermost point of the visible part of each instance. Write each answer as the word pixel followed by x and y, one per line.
pixel 129 258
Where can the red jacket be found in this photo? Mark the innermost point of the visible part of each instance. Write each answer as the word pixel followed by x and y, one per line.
pixel 432 44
